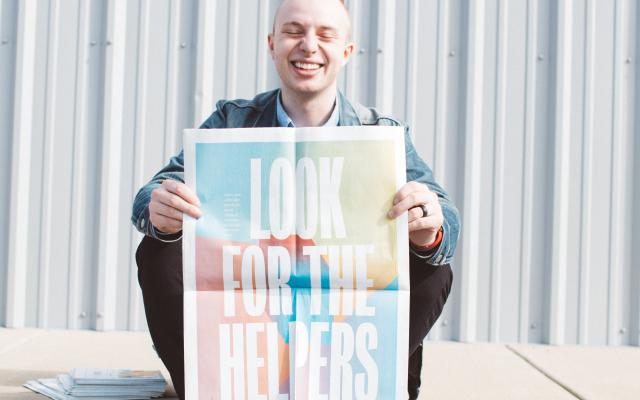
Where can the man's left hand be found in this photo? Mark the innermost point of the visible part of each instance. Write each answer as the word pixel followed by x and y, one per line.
pixel 423 230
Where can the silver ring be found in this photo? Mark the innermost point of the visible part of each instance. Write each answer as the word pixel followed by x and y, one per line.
pixel 425 210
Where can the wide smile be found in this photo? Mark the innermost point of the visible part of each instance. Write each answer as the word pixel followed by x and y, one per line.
pixel 306 68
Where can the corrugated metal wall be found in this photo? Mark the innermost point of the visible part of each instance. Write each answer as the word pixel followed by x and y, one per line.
pixel 528 111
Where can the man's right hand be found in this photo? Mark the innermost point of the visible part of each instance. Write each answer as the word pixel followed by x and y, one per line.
pixel 169 202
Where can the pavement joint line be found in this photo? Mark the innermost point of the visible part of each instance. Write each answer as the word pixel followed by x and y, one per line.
pixel 545 373
pixel 20 342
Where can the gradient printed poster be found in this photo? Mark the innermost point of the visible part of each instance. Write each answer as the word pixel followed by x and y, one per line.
pixel 296 283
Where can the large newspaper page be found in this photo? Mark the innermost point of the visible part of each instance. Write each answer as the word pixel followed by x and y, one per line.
pixel 296 284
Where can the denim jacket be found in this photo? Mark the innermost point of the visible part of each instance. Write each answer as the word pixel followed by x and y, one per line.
pixel 261 112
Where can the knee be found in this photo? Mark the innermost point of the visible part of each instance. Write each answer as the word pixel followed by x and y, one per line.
pixel 432 283
pixel 445 280
pixel 159 266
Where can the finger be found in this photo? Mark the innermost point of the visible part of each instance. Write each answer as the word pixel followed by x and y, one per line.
pixel 174 201
pixel 167 225
pixel 409 188
pixel 414 214
pixel 181 190
pixel 433 222
pixel 161 209
pixel 411 200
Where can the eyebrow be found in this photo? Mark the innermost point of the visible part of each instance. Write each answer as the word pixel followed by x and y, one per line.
pixel 296 24
pixel 321 28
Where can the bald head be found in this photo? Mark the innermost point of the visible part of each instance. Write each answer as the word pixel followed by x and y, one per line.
pixel 345 18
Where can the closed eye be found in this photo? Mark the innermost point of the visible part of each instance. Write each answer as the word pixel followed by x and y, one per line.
pixel 327 33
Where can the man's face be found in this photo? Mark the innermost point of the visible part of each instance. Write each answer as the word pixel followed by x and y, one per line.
pixel 310 44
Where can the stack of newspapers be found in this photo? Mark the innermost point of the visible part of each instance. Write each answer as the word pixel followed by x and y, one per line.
pixel 101 384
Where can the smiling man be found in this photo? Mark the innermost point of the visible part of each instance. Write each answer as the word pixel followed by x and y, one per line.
pixel 310 44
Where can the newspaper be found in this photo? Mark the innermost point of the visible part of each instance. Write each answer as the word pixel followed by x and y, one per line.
pixel 101 384
pixel 296 283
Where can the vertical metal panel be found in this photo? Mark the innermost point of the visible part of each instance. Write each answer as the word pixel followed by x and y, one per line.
pixel 562 132
pixel 498 173
pixel 634 123
pixel 21 165
pixel 619 176
pixel 264 28
pixel 411 84
pixel 350 78
pixel 111 164
pixel 587 171
pixel 142 132
pixel 8 18
pixel 50 136
pixel 232 50
pixel 473 157
pixel 527 176
pixel 440 127
pixel 385 51
pixel 204 70
pixel 172 100
pixel 526 110
pixel 80 204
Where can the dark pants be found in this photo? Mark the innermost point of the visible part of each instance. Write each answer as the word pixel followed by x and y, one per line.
pixel 160 277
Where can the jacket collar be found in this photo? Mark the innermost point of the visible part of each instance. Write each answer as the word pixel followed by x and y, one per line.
pixel 348 115
pixel 269 118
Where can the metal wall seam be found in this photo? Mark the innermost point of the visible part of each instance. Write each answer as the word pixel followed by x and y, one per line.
pixel 231 86
pixel 528 156
pixel 472 170
pixel 618 176
pixel 18 232
pixel 78 204
pixel 498 172
pixel 139 147
pixel 171 84
pixel 51 92
pixel 413 38
pixel 385 55
pixel 587 175
pixel 3 270
pixel 560 235
pixel 262 58
pixel 635 235
pixel 111 164
pixel 442 75
pixel 204 63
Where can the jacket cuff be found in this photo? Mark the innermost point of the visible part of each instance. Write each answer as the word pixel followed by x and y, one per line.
pixel 164 237
pixel 145 226
pixel 435 254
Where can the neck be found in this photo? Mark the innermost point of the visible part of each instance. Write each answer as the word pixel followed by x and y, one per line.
pixel 310 110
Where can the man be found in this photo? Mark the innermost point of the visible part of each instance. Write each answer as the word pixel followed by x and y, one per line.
pixel 309 46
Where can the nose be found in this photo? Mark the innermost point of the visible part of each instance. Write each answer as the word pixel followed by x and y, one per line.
pixel 309 43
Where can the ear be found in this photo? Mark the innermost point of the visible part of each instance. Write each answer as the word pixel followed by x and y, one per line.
pixel 348 50
pixel 270 41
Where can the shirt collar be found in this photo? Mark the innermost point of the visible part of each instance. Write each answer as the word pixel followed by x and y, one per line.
pixel 285 121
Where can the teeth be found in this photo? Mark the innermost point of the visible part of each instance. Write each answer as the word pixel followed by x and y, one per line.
pixel 306 65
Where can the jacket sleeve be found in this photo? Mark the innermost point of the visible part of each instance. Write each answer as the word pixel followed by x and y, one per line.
pixel 418 170
pixel 173 170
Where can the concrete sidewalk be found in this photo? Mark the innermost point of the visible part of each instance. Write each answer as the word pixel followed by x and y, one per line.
pixel 451 370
